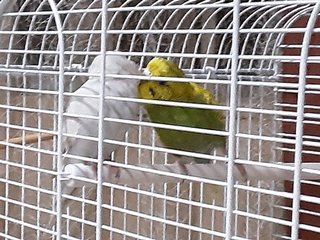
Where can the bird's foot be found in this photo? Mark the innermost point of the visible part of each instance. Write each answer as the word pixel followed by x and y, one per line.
pixel 183 170
pixel 242 172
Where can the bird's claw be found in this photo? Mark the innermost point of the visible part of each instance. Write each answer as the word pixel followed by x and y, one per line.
pixel 183 169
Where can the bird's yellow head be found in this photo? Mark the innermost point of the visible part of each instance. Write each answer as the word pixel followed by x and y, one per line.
pixel 160 67
pixel 164 90
pixel 152 90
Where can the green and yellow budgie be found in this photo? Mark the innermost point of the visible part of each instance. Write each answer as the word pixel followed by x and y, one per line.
pixel 182 116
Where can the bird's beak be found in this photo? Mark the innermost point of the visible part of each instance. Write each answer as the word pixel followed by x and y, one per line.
pixel 146 72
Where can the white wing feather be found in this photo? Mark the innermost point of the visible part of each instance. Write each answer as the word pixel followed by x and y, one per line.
pixel 89 106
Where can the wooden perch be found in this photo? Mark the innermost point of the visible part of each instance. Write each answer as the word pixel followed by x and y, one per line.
pixel 29 139
pixel 159 173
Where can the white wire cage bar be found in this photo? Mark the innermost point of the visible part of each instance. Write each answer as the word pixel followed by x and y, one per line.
pixel 258 58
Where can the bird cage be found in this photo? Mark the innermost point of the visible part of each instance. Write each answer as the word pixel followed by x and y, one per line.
pixel 259 59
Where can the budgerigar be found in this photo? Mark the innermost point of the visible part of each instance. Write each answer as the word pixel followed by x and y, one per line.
pixel 87 106
pixel 181 116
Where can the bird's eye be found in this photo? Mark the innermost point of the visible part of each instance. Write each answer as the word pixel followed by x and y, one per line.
pixel 151 92
pixel 163 83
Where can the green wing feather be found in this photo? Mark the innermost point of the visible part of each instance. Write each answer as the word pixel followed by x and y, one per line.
pixel 187 117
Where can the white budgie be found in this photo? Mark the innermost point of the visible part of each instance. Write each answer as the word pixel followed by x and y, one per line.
pixel 89 106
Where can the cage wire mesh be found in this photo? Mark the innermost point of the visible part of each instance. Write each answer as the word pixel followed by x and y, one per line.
pixel 262 72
